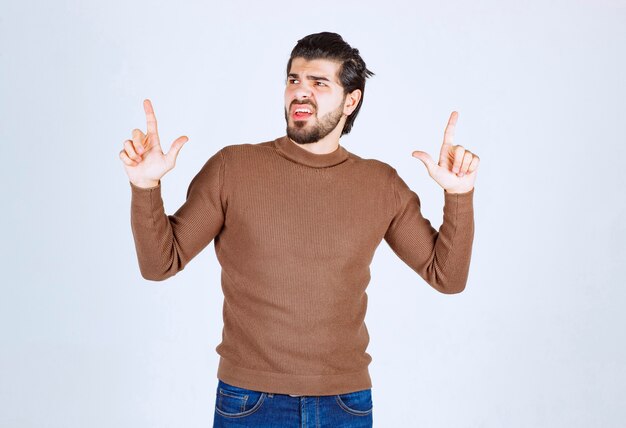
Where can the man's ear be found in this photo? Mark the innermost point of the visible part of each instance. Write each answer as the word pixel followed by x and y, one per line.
pixel 352 102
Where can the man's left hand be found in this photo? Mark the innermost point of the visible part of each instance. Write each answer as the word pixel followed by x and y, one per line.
pixel 457 167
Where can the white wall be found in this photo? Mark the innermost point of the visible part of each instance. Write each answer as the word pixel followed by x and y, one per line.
pixel 536 340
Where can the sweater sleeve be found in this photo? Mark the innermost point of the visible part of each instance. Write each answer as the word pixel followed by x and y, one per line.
pixel 441 258
pixel 166 243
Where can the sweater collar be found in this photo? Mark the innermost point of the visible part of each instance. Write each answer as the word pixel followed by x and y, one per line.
pixel 294 152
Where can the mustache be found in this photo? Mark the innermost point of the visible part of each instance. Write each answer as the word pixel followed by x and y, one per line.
pixel 303 102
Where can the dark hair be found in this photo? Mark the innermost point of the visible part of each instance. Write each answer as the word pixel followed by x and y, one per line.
pixel 331 46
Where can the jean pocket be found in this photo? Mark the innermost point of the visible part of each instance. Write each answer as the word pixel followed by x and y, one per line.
pixel 234 402
pixel 356 403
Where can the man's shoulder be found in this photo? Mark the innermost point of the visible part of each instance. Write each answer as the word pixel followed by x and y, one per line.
pixel 244 148
pixel 371 164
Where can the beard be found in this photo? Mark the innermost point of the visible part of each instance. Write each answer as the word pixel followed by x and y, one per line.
pixel 303 133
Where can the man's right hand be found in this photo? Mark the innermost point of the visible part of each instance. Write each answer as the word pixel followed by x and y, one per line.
pixel 143 158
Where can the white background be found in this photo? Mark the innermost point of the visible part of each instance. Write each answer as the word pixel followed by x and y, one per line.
pixel 535 340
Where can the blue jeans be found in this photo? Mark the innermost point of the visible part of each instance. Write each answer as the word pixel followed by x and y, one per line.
pixel 240 407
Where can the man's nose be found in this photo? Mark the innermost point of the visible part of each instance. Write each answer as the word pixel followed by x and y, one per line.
pixel 303 91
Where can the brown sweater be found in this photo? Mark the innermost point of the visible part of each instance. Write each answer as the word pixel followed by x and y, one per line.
pixel 295 233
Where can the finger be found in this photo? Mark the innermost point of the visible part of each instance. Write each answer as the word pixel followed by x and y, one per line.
pixel 425 158
pixel 459 151
pixel 128 161
pixel 150 117
pixel 467 159
pixel 473 165
pixel 448 136
pixel 139 140
pixel 130 151
pixel 175 148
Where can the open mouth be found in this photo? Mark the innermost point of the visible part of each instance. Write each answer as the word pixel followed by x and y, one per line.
pixel 302 113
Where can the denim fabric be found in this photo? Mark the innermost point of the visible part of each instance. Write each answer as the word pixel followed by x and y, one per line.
pixel 240 407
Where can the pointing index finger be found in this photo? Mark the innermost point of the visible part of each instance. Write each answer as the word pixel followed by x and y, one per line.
pixel 448 138
pixel 150 117
pixel 448 134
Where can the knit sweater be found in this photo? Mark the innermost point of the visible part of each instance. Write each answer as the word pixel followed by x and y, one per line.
pixel 295 233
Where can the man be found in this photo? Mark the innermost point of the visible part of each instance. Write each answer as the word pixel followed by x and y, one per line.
pixel 296 221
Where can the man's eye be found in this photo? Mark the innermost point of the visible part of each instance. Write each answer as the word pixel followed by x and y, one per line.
pixel 321 83
pixel 292 80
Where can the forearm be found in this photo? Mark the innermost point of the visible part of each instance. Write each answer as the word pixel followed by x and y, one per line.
pixel 153 234
pixel 453 248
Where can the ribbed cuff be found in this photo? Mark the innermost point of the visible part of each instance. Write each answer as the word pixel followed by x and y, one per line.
pixel 462 202
pixel 143 189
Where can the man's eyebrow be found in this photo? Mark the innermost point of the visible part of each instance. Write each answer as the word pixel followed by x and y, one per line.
pixel 295 75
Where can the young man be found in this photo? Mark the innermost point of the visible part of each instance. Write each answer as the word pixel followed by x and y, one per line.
pixel 296 222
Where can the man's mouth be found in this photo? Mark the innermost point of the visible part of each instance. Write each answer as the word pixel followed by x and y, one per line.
pixel 301 112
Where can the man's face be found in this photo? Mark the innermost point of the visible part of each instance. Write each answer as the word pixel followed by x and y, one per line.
pixel 313 86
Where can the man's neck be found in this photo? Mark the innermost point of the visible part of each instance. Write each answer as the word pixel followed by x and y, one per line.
pixel 328 144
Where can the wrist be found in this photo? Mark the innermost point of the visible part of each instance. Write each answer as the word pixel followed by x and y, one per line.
pixel 458 191
pixel 145 184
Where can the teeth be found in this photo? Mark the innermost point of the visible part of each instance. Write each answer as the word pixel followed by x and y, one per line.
pixel 303 110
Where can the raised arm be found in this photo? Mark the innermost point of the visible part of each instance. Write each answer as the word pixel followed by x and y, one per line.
pixel 441 257
pixel 165 244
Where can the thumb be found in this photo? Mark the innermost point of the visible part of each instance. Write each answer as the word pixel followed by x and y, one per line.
pixel 175 148
pixel 425 158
